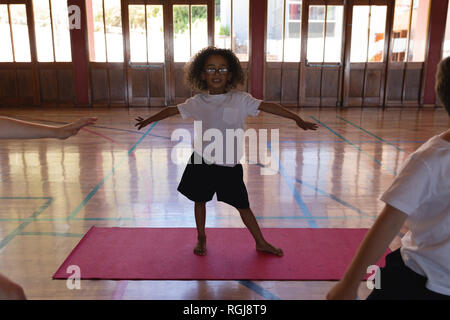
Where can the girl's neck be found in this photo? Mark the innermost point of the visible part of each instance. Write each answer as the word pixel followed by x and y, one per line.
pixel 217 92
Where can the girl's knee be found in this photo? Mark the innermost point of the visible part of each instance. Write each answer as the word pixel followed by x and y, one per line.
pixel 11 291
pixel 18 293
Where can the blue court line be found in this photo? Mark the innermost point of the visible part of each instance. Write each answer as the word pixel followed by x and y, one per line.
pixel 297 196
pixel 372 134
pixel 191 219
pixel 23 225
pixel 332 196
pixel 344 203
pixel 353 146
pixel 259 290
pixel 101 183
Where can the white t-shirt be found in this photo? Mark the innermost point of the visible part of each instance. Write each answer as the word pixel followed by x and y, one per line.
pixel 220 112
pixel 422 190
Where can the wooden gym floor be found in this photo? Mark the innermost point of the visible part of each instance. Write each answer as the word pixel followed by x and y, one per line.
pixel 112 175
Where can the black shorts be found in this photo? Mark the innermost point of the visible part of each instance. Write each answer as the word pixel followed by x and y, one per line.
pixel 201 180
pixel 398 282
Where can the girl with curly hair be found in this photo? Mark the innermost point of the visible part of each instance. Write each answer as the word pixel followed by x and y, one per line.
pixel 218 72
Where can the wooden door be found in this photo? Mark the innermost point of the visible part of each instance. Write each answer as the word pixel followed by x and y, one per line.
pixel 322 54
pixel 366 51
pixel 160 37
pixel 18 71
pixel 191 28
pixel 145 32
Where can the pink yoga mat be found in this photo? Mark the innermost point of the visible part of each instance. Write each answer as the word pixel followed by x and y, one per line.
pixel 166 254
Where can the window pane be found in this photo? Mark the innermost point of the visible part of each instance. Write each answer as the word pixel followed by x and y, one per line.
pixel 222 25
pixel 6 54
pixel 274 44
pixel 61 32
pixel 293 31
pixel 419 30
pixel 333 39
pixel 20 32
pixel 400 30
pixel 96 31
pixel 316 33
pixel 43 30
pixel 114 38
pixel 199 36
pixel 360 29
pixel 138 43
pixel 240 28
pixel 377 30
pixel 446 48
pixel 181 40
pixel 155 32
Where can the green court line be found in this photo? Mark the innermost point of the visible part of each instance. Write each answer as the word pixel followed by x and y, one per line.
pixel 56 234
pixel 354 146
pixel 23 225
pixel 372 134
pixel 101 183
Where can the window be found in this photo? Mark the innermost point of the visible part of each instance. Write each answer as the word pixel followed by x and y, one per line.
pixel 51 21
pixel 146 33
pixel 410 30
pixel 325 26
pixel 368 34
pixel 105 30
pixel 284 30
pixel 232 26
pixel 190 24
pixel 14 34
pixel 446 46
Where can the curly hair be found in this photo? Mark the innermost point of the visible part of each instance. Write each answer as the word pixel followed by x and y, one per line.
pixel 442 87
pixel 196 66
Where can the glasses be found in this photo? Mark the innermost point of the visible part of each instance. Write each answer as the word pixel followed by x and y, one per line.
pixel 211 70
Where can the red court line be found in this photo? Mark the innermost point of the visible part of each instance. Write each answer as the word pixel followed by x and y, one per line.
pixel 109 139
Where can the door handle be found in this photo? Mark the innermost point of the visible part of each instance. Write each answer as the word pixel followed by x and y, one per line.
pixel 146 66
pixel 318 65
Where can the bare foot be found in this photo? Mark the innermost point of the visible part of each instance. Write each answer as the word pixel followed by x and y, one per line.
pixel 268 248
pixel 200 248
pixel 73 128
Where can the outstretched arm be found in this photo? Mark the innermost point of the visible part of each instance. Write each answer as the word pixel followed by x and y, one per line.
pixel 165 113
pixel 18 129
pixel 375 243
pixel 279 110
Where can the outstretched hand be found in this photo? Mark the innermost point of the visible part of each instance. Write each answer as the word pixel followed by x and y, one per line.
pixel 305 125
pixel 72 129
pixel 141 123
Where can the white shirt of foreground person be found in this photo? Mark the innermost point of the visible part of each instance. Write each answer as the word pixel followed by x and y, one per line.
pixel 422 191
pixel 221 112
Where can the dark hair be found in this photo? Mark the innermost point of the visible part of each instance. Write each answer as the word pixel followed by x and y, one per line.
pixel 195 67
pixel 443 83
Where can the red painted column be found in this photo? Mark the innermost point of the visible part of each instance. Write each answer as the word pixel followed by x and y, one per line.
pixel 436 33
pixel 80 55
pixel 258 10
